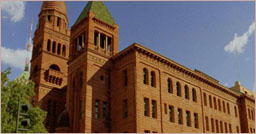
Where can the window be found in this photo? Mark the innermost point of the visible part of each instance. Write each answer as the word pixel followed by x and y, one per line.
pixel 153 79
pixel 64 50
pixel 235 111
pixel 237 129
pixel 154 132
pixel 217 126
pixel 97 111
pixel 186 92
pixel 210 101
pixel 219 104
pixel 230 128
pixel 215 103
pixel 58 49
pixel 180 120
pixel 165 108
pixel 104 110
pixel 54 47
pixel 207 123
pixel 125 110
pixel 224 108
pixel 102 41
pixel 154 115
pixel 80 42
pixel 196 125
pixel 169 84
pixel 58 21
pixel 226 127
pixel 221 127
pixel 249 113
pixel 146 106
pixel 49 45
pixel 178 91
pixel 188 119
pixel 194 95
pixel 109 43
pixel 171 113
pixel 55 67
pixel 96 36
pixel 125 78
pixel 252 114
pixel 147 131
pixel 145 76
pixel 81 105
pixel 49 107
pixel 228 108
pixel 205 99
pixel 48 18
pixel 212 124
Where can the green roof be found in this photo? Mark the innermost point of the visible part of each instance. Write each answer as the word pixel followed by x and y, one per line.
pixel 100 11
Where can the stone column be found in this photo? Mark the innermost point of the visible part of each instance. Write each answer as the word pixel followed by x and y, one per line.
pixel 106 43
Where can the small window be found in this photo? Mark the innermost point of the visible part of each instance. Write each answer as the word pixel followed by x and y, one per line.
pixel 49 45
pixel 180 120
pixel 221 127
pixel 219 104
pixel 109 44
pixel 153 79
pixel 125 78
pixel 217 126
pixel 228 108
pixel 207 123
pixel 194 95
pixel 188 118
pixel 226 127
pixel 178 90
pixel 230 128
pixel 171 113
pixel 215 103
pixel 212 124
pixel 64 50
pixel 125 110
pixel 58 21
pixel 96 36
pixel 224 108
pixel 97 110
pixel 154 111
pixel 58 48
pixel 102 41
pixel 145 76
pixel 104 110
pixel 210 101
pixel 169 84
pixel 54 47
pixel 101 77
pixel 205 99
pixel 237 129
pixel 235 111
pixel 186 92
pixel 146 106
pixel 196 120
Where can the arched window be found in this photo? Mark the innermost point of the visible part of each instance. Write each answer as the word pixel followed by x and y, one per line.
pixel 49 45
pixel 205 99
pixel 64 50
pixel 153 79
pixel 169 84
pixel 58 49
pixel 54 47
pixel 178 90
pixel 186 90
pixel 145 76
pixel 55 67
pixel 194 95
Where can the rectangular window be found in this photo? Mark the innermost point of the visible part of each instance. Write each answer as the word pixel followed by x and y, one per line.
pixel 249 113
pixel 104 110
pixel 207 123
pixel 210 101
pixel 180 120
pixel 96 38
pixel 217 126
pixel 212 124
pixel 205 99
pixel 215 103
pixel 224 108
pixel 125 111
pixel 226 127
pixel 228 108
pixel 188 118
pixel 154 115
pixel 237 129
pixel 58 21
pixel 154 131
pixel 97 110
pixel 221 127
pixel 230 128
pixel 147 131
pixel 235 111
pixel 219 104
pixel 125 78
pixel 196 125
pixel 146 106
pixel 171 113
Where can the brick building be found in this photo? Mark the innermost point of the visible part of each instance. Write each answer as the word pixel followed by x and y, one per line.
pixel 87 85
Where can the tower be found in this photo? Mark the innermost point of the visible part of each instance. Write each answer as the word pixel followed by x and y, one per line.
pixel 49 60
pixel 93 41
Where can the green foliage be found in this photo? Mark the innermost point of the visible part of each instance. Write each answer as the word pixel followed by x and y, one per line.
pixel 10 93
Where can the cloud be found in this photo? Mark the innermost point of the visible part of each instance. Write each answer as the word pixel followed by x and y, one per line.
pixel 14 58
pixel 15 9
pixel 238 43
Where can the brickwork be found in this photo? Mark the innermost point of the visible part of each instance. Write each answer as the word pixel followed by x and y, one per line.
pixel 135 90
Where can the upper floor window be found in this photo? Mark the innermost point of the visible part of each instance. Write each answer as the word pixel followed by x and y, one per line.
pixel 146 106
pixel 48 18
pixel 169 84
pixel 205 99
pixel 97 109
pixel 219 104
pixel 223 105
pixel 210 101
pixel 188 118
pixel 145 76
pixel 228 108
pixel 153 79
pixel 55 67
pixel 212 124
pixel 186 92
pixel 54 47
pixel 125 78
pixel 178 90
pixel 235 111
pixel 104 110
pixel 194 95
pixel 49 45
pixel 125 110
pixel 58 49
pixel 215 103
pixel 64 50
pixel 180 120
pixel 171 113
pixel 154 111
pixel 207 123
pixel 58 21
pixel 196 120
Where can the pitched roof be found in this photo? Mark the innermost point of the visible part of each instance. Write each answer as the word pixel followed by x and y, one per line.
pixel 100 11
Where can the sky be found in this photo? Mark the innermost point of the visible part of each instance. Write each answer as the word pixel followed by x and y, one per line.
pixel 216 38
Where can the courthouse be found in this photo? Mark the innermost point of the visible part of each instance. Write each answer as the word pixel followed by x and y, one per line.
pixel 87 85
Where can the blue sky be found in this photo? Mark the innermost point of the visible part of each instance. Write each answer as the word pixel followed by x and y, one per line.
pixel 193 34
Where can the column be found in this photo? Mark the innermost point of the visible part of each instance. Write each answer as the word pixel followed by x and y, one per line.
pixel 106 43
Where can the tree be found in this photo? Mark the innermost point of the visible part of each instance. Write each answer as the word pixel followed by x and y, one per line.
pixel 10 93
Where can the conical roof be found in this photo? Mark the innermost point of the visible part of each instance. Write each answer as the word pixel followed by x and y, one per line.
pixel 100 11
pixel 57 5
